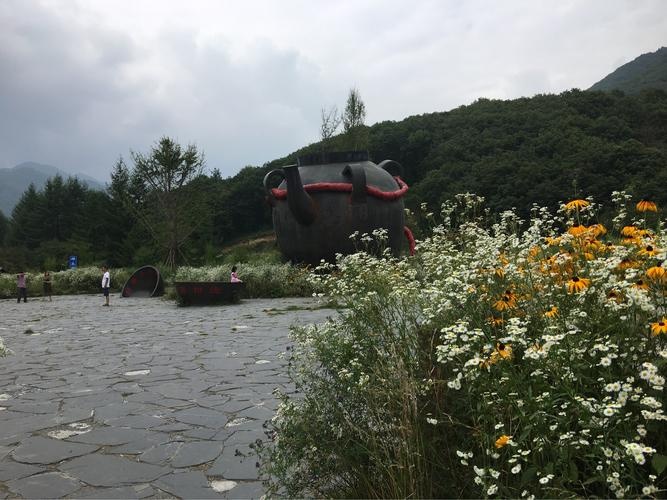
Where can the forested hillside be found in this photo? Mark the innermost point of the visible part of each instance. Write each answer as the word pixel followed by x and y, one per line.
pixel 542 150
pixel 14 181
pixel 533 150
pixel 648 71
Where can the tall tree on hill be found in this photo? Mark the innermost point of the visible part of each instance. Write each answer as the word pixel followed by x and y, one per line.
pixel 331 120
pixel 353 121
pixel 160 192
pixel 26 223
pixel 4 224
pixel 63 202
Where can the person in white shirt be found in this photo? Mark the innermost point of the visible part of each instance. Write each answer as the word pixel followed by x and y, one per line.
pixel 106 283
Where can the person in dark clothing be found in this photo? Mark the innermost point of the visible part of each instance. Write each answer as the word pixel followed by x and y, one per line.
pixel 47 284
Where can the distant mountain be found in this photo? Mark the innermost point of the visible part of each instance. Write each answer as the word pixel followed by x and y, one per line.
pixel 14 181
pixel 648 71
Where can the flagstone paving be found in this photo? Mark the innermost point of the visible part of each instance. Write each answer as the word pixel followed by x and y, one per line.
pixel 143 399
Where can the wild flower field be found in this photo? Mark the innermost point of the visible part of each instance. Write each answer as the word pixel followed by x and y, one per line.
pixel 505 359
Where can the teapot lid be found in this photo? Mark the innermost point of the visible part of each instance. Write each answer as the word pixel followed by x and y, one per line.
pixel 333 157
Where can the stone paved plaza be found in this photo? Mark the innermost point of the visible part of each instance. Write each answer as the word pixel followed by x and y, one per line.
pixel 142 399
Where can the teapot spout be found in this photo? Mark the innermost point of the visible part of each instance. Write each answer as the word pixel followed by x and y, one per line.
pixel 299 201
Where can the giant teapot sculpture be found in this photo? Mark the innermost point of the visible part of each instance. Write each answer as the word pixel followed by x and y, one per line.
pixel 326 197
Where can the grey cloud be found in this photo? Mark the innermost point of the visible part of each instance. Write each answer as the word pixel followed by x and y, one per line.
pixel 83 83
pixel 80 97
pixel 62 87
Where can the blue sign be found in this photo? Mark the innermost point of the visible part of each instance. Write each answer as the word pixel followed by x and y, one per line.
pixel 73 261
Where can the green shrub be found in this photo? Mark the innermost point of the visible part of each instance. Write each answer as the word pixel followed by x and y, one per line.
pixel 3 349
pixel 71 281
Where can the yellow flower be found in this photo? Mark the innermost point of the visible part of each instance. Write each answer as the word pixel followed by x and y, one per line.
pixel 657 273
pixel 576 205
pixel 593 245
pixel 598 230
pixel 504 350
pixel 648 250
pixel 537 348
pixel 626 264
pixel 615 296
pixel 506 302
pixel 496 321
pixel 578 230
pixel 646 206
pixel 503 441
pixel 659 327
pixel 645 233
pixel 632 241
pixel 552 313
pixel 534 252
pixel 629 231
pixel 641 285
pixel 502 304
pixel 577 284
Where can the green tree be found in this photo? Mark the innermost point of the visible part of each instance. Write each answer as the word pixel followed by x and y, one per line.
pixel 331 120
pixel 4 227
pixel 159 190
pixel 353 121
pixel 63 203
pixel 26 224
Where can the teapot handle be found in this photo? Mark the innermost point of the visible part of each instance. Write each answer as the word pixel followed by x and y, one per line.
pixel 358 175
pixel 387 164
pixel 270 198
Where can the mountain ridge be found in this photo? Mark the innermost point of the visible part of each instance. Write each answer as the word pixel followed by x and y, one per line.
pixel 15 180
pixel 647 71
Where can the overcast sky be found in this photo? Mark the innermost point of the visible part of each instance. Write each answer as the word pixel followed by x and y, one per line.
pixel 84 82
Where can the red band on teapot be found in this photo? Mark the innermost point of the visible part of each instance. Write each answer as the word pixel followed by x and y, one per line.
pixel 346 187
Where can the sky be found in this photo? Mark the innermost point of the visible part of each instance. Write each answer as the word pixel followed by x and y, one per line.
pixel 83 83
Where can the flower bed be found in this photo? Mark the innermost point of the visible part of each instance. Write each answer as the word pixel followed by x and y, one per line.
pixel 496 362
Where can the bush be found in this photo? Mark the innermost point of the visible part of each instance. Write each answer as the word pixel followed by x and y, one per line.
pixel 3 349
pixel 71 281
pixel 496 362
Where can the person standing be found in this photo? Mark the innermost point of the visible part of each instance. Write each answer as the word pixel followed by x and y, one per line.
pixel 106 283
pixel 46 280
pixel 23 292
